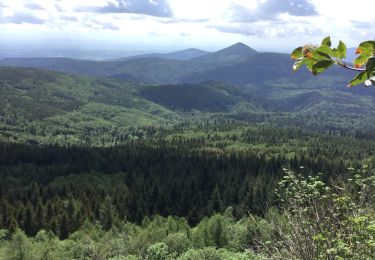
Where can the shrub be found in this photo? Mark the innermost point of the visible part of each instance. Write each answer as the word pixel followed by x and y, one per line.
pixel 158 251
pixel 321 221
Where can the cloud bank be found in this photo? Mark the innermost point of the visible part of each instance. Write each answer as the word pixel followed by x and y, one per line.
pixel 158 8
pixel 193 20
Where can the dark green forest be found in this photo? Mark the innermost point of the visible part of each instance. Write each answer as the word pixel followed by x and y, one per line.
pixel 44 186
pixel 190 174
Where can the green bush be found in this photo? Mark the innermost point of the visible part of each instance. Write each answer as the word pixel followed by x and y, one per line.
pixel 158 251
pixel 177 242
pixel 322 221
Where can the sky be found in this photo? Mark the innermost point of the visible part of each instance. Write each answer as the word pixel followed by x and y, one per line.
pixel 170 25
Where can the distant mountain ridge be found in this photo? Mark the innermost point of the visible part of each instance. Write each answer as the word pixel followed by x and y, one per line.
pixel 178 55
pixel 152 68
pixel 236 64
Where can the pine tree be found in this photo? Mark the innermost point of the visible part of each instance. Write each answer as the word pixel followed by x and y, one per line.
pixel 107 213
pixel 215 203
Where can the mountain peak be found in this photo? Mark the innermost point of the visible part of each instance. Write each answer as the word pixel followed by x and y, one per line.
pixel 240 44
pixel 239 48
pixel 235 53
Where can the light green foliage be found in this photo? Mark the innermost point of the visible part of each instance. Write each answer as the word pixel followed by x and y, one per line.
pixel 44 245
pixel 157 239
pixel 157 230
pixel 158 251
pixel 178 242
pixel 318 221
pixel 296 191
pixel 4 234
pixel 20 246
pixel 212 232
pixel 318 58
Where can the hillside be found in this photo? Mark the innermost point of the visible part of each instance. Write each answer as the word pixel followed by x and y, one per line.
pixel 41 104
pixel 206 97
pixel 252 88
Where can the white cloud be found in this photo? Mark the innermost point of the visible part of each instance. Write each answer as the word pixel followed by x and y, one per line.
pixel 209 22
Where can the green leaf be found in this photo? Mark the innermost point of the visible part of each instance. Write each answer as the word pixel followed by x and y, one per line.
pixel 321 66
pixel 367 45
pixel 318 55
pixel 341 50
pixel 327 41
pixel 334 52
pixel 366 48
pixel 361 60
pixel 360 78
pixel 363 51
pixel 325 49
pixel 370 65
pixel 297 53
pixel 310 63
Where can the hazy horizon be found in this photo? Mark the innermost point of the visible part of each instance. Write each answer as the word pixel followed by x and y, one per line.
pixel 121 28
pixel 91 52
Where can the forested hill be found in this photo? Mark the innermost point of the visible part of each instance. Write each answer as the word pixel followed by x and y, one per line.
pixel 43 106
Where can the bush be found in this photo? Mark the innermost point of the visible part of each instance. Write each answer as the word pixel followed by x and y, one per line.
pixel 158 251
pixel 320 221
pixel 20 246
pixel 177 242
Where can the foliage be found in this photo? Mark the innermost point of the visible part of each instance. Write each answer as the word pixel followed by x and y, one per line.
pixel 178 242
pixel 126 241
pixel 158 251
pixel 318 58
pixel 322 221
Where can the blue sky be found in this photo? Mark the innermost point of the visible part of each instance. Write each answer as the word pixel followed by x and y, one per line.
pixel 168 25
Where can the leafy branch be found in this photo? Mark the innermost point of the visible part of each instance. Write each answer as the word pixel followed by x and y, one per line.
pixel 319 58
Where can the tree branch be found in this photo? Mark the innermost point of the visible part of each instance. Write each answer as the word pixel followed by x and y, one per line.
pixel 350 68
